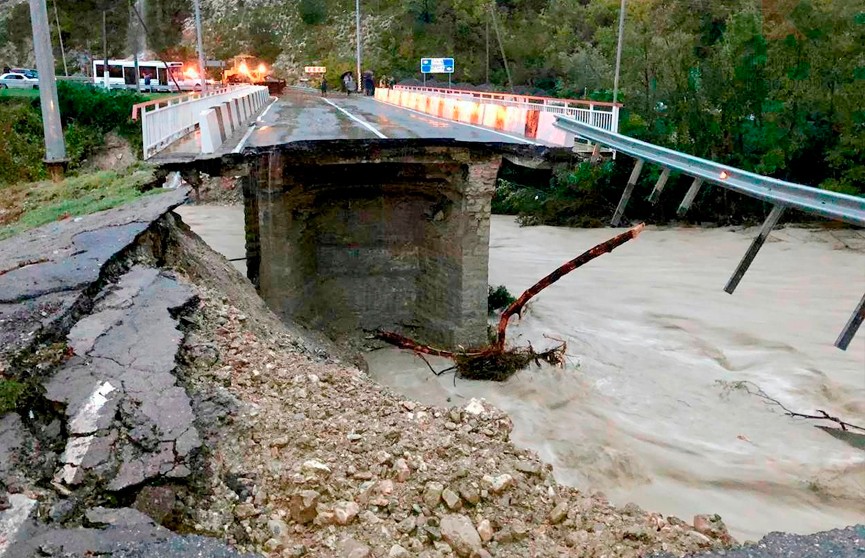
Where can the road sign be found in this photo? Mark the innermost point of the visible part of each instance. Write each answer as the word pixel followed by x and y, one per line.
pixel 315 69
pixel 437 65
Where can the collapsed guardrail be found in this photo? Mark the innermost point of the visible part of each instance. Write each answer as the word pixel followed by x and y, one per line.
pixel 779 193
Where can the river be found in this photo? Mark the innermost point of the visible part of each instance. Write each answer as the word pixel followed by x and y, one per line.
pixel 644 410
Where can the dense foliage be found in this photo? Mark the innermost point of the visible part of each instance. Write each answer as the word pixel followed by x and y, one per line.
pixel 88 113
pixel 773 86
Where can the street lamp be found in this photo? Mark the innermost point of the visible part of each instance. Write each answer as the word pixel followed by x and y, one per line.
pixel 357 24
pixel 619 52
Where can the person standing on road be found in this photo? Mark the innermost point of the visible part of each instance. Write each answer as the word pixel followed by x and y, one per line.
pixel 323 87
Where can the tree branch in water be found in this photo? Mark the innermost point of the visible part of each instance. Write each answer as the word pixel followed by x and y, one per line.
pixel 495 361
pixel 753 389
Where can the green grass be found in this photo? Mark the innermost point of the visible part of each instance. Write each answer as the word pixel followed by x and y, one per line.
pixel 18 93
pixel 10 391
pixel 29 205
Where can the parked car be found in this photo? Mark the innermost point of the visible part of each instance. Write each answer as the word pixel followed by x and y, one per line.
pixel 18 81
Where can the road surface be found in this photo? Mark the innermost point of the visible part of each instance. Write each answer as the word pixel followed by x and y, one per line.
pixel 299 116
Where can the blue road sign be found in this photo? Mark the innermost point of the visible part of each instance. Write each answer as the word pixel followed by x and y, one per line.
pixel 437 65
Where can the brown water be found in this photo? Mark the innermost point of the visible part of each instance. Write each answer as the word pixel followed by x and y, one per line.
pixel 638 412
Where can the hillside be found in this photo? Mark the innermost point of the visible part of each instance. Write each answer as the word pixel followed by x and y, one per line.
pixel 776 90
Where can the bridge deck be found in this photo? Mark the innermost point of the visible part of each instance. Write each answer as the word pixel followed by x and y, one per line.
pixel 298 116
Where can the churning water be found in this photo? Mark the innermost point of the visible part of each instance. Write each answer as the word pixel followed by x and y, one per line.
pixel 644 411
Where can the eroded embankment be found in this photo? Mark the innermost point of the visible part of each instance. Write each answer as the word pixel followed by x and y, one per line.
pixel 176 400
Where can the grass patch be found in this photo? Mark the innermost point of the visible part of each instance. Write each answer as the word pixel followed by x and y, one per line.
pixel 29 205
pixel 25 93
pixel 10 391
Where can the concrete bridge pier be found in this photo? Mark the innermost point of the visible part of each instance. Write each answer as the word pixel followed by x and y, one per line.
pixel 346 235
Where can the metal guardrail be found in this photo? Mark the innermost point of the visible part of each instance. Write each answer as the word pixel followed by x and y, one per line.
pixel 779 193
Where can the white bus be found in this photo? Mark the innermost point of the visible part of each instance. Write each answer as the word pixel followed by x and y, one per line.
pixel 153 75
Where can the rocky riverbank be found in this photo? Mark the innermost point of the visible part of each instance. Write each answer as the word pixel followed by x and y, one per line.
pixel 174 402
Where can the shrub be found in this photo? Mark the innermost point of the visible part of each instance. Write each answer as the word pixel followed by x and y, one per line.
pixel 499 298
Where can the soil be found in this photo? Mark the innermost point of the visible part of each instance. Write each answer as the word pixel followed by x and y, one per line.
pixel 317 459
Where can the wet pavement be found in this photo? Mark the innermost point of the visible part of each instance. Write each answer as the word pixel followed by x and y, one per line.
pixel 299 116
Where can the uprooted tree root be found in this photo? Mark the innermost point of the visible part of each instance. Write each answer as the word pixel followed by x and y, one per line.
pixel 497 362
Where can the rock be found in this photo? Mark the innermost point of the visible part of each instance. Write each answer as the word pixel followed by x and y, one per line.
pixel 121 517
pixel 528 467
pixel 156 501
pixel 474 407
pixel 409 405
pixel 352 548
pixel 345 512
pixel 396 551
pixel 302 506
pixel 559 513
pixel 315 468
pixel 277 527
pixel 710 525
pixel 485 530
pixel 406 526
pixel 244 511
pixel 432 494
pixel 452 499
pixel 402 470
pixel 272 545
pixel 499 483
pixel 457 530
pixel 470 494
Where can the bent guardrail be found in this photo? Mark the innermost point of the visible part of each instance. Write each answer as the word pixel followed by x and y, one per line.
pixel 781 194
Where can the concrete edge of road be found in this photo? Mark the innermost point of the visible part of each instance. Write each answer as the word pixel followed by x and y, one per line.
pixel 360 121
pixel 252 125
pixel 517 138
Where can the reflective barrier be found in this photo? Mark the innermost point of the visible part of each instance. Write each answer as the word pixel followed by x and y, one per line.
pixel 530 117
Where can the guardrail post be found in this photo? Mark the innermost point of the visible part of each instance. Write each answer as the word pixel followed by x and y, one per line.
pixel 852 326
pixel 659 186
pixel 626 195
pixel 690 197
pixel 756 244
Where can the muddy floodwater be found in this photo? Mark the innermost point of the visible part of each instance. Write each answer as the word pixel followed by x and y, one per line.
pixel 646 410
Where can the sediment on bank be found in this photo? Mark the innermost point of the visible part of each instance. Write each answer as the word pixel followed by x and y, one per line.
pixel 252 432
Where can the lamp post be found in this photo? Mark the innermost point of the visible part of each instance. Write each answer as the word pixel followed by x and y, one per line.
pixel 619 52
pixel 357 24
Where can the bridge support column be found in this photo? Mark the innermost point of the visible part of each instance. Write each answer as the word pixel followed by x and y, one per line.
pixel 350 237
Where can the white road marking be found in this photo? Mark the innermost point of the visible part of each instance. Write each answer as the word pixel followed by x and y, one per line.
pixel 243 140
pixel 517 138
pixel 252 126
pixel 362 122
pixel 270 106
pixel 13 518
pixel 86 419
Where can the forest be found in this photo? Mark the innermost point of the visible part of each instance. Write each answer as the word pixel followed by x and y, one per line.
pixel 772 86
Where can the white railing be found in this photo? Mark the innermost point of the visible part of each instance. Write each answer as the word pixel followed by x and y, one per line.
pixel 167 120
pixel 596 113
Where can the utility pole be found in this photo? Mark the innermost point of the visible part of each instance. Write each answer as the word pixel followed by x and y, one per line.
pixel 488 47
pixel 200 46
pixel 619 52
pixel 105 52
pixel 60 37
pixel 357 25
pixel 55 146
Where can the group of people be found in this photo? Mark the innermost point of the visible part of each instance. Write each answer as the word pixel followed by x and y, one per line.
pixel 349 85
